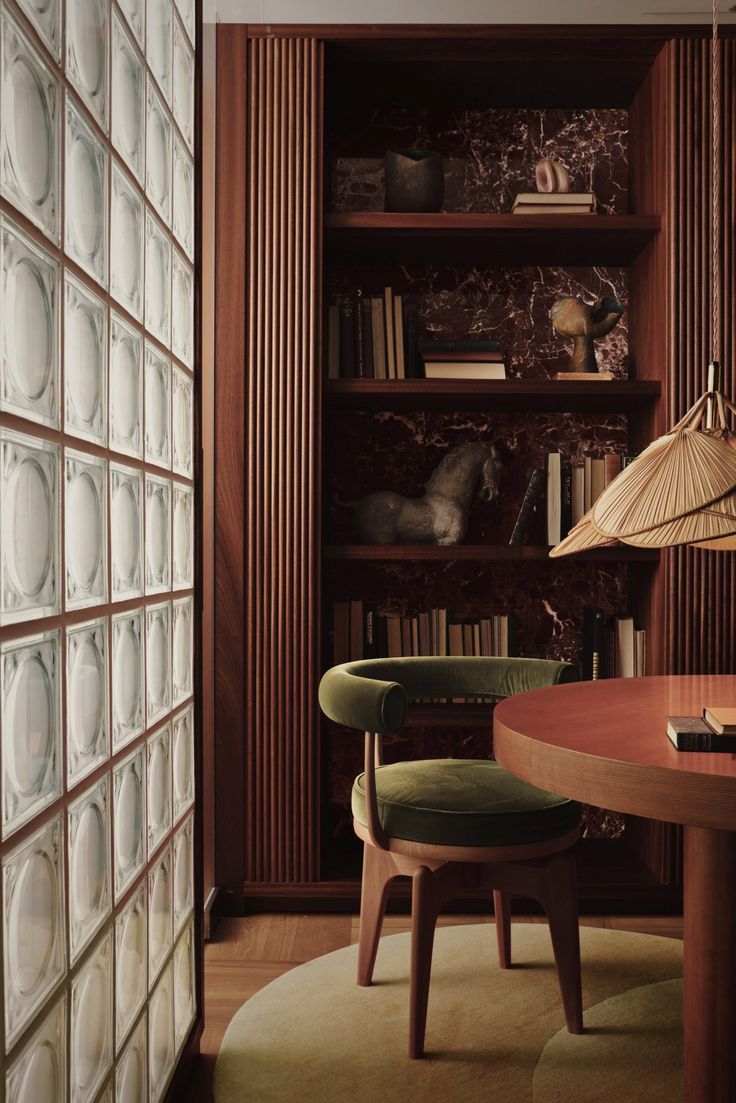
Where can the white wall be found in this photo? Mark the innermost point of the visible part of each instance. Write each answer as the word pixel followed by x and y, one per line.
pixel 469 11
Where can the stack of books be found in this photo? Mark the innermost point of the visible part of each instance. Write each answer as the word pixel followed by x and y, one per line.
pixel 563 491
pixel 371 337
pixel 462 360
pixel 360 631
pixel 715 730
pixel 554 203
pixel 612 646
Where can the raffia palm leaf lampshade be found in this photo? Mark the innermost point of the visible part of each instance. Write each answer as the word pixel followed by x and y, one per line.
pixel 716 521
pixel 583 537
pixel 677 474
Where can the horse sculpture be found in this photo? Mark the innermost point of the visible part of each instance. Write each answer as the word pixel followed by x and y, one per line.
pixel 440 516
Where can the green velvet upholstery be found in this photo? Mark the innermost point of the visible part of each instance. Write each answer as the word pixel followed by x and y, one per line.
pixel 451 802
pixel 371 694
pixel 463 802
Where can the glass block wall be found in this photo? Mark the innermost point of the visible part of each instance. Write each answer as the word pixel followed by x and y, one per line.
pixel 96 546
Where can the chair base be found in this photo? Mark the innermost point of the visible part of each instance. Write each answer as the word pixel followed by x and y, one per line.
pixel 549 876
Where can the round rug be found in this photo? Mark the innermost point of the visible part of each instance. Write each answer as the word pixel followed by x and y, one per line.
pixel 314 1036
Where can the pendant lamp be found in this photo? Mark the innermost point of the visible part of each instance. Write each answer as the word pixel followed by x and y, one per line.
pixel 682 488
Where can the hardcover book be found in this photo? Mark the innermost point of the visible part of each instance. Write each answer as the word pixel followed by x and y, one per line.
pixel 691 733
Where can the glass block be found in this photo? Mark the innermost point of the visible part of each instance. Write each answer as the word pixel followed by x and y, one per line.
pixel 127 678
pixel 183 537
pixel 131 1075
pixel 86 53
pixel 131 963
pixel 129 819
pixel 182 650
pixel 185 987
pixel 85 218
pixel 182 309
pixel 159 914
pixel 159 787
pixel 186 11
pixel 158 153
pixel 161 1036
pixel 39 1072
pixel 127 119
pixel 126 244
pixel 182 756
pixel 33 925
pixel 85 362
pixel 158 544
pixel 126 388
pixel 29 534
pixel 183 877
pixel 30 133
pixel 133 12
pixel 89 865
pixel 183 85
pixel 183 198
pixel 85 526
pixel 182 407
pixel 158 280
pixel 126 531
pixel 106 1095
pixel 87 712
pixel 158 661
pixel 158 43
pixel 158 408
pixel 30 723
pixel 90 1041
pixel 29 307
pixel 45 15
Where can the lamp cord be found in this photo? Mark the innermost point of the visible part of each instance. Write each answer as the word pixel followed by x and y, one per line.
pixel 715 189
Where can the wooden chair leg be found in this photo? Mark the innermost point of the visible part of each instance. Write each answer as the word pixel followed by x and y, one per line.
pixel 502 911
pixel 378 873
pixel 560 902
pixel 424 909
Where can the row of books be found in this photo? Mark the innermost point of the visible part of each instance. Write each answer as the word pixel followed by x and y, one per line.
pixel 558 495
pixel 360 631
pixel 375 337
pixel 613 647
pixel 554 203
pixel 714 730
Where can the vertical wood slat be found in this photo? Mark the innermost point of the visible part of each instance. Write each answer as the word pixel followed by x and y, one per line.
pixel 701 585
pixel 282 459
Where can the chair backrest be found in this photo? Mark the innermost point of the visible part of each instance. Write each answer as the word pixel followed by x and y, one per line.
pixel 371 694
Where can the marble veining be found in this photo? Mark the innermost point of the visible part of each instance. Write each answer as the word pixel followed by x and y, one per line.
pixel 489 154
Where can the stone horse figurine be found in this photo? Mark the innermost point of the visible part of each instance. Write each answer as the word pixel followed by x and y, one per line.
pixel 440 516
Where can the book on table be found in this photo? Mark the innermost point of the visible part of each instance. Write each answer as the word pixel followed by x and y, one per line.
pixel 692 733
pixel 721 719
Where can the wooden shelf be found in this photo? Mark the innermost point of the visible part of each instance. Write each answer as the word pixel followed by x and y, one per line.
pixel 498 394
pixel 490 239
pixel 480 552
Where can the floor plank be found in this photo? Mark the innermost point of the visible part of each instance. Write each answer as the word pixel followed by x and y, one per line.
pixel 247 953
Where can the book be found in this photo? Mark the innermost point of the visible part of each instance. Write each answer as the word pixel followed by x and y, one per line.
pixel 456 369
pixel 464 357
pixel 578 492
pixel 624 644
pixel 341 632
pixel 378 333
pixel 393 633
pixel 565 497
pixel 538 208
pixel 721 719
pixel 691 733
pixel 611 467
pixel 593 643
pixel 399 336
pixel 388 302
pixel 554 498
pixel 529 508
pixel 587 482
pixel 356 630
pixel 333 341
pixel 360 363
pixel 411 351
pixel 597 479
pixel 347 337
pixel 555 198
pixel 640 652
pixel 368 359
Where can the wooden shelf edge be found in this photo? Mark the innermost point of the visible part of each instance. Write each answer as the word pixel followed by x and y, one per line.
pixel 451 222
pixel 479 553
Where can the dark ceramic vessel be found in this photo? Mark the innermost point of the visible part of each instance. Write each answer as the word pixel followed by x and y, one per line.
pixel 415 181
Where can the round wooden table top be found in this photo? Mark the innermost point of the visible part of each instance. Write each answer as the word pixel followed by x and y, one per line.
pixel 605 743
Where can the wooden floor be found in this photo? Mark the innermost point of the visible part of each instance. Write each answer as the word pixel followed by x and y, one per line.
pixel 246 954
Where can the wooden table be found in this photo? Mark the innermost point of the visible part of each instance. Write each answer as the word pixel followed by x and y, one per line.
pixel 605 743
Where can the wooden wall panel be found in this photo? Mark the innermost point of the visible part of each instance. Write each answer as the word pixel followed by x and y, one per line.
pixel 282 476
pixel 701 585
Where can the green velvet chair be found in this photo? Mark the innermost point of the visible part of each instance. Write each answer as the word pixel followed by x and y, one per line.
pixel 454 825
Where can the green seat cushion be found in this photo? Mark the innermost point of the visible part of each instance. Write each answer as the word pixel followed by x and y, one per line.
pixel 463 802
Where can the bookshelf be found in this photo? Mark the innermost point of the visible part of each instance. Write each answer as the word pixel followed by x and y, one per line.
pixel 479 553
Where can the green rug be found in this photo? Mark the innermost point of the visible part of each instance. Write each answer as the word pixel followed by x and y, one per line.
pixel 492 1034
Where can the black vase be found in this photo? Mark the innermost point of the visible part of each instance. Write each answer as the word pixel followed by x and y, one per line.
pixel 415 180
